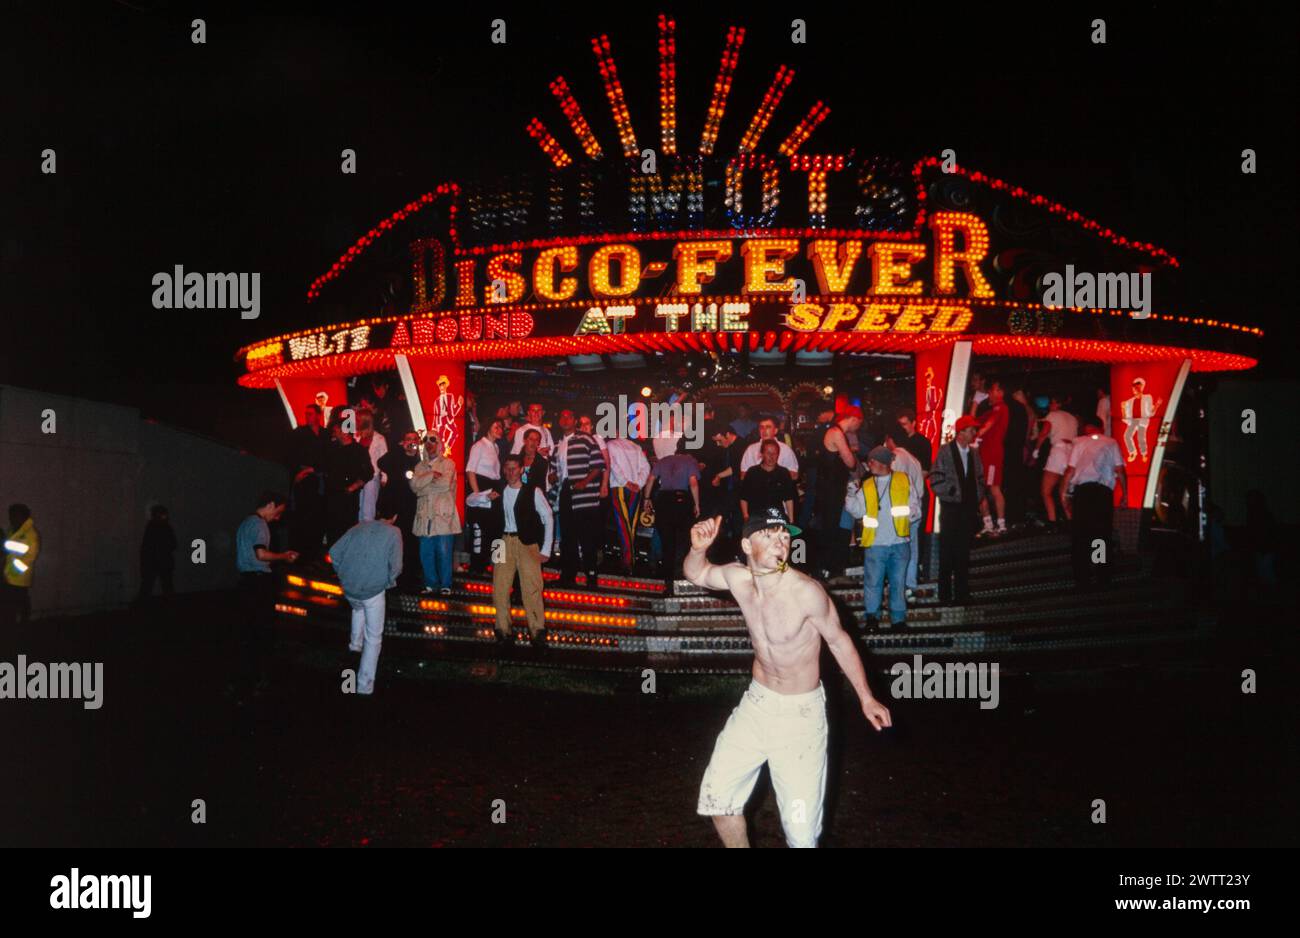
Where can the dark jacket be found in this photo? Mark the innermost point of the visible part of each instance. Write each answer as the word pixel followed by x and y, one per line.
pixel 527 520
pixel 946 476
pixel 159 544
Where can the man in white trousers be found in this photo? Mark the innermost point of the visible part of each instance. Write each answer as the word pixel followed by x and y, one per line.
pixel 368 560
pixel 781 719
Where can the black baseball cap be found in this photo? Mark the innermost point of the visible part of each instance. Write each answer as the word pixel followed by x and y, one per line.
pixel 770 518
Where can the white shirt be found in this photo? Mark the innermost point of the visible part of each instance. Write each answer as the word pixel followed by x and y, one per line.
pixel 627 463
pixel 1095 458
pixel 561 457
pixel 1103 412
pixel 665 443
pixel 964 451
pixel 547 443
pixel 910 466
pixel 378 448
pixel 484 459
pixel 1064 426
pixel 754 455
pixel 508 499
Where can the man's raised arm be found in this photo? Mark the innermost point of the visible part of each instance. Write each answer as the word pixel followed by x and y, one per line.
pixel 827 623
pixel 697 568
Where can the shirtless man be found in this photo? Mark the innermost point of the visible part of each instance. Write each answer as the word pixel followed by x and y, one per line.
pixel 781 719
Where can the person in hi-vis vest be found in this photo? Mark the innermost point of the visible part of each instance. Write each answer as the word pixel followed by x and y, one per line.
pixel 888 506
pixel 22 544
pixel 1137 412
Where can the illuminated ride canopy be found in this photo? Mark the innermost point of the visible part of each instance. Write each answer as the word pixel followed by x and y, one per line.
pixel 643 247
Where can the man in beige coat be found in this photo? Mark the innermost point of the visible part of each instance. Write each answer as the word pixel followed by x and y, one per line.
pixel 436 521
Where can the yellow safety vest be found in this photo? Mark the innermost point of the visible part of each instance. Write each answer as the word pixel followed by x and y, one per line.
pixel 21 548
pixel 899 509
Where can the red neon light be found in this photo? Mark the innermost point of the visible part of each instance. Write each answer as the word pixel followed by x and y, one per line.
pixel 377 232
pixel 763 116
pixel 1056 208
pixel 668 84
pixel 721 88
pixel 573 113
pixel 550 146
pixel 561 596
pixel 614 92
pixel 803 130
pixel 353 363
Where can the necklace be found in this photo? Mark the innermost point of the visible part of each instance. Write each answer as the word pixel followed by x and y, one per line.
pixel 780 568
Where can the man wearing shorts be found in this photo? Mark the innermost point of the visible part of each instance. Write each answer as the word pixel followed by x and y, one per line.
pixel 992 435
pixel 781 719
pixel 1060 427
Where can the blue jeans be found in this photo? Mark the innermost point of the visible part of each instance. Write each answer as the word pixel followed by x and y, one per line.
pixel 435 558
pixel 914 556
pixel 886 563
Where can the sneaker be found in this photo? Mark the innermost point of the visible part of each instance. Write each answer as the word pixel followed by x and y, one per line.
pixel 445 591
pixel 505 640
pixel 870 622
pixel 427 591
pixel 539 640
pixel 910 593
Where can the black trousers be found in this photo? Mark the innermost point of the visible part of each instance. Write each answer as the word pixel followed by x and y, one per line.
pixel 725 505
pixel 1094 511
pixel 341 513
pixel 307 519
pixel 412 575
pixel 257 602
pixel 481 530
pixel 581 532
pixel 832 541
pixel 957 524
pixel 149 572
pixel 922 538
pixel 15 603
pixel 674 515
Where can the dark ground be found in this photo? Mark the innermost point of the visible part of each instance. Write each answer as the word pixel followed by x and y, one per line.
pixel 1180 756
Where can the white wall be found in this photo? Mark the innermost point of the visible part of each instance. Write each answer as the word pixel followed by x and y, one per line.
pixel 90 485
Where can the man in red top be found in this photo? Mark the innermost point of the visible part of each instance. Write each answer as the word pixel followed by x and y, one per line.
pixel 992 434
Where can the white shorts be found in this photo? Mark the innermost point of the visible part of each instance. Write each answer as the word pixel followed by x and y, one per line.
pixel 788 732
pixel 1058 460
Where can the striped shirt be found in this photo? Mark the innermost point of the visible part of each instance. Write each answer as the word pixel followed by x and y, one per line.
pixel 582 455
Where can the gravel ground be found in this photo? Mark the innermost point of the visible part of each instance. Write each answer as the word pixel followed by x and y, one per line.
pixel 1179 755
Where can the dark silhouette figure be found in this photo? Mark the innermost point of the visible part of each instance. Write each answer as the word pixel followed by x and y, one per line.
pixel 157 554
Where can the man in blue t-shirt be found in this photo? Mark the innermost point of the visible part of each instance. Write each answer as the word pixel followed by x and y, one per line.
pixel 253 559
pixel 677 505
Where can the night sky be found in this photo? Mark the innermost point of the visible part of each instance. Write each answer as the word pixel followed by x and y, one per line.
pixel 225 156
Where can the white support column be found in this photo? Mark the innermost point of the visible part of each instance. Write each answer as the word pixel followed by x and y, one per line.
pixel 412 394
pixel 288 408
pixel 1166 421
pixel 958 375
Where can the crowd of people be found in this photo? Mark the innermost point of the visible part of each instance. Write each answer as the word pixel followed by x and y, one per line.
pixel 538 492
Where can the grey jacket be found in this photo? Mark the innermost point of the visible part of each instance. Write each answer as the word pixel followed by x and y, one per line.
pixel 945 479
pixel 368 559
